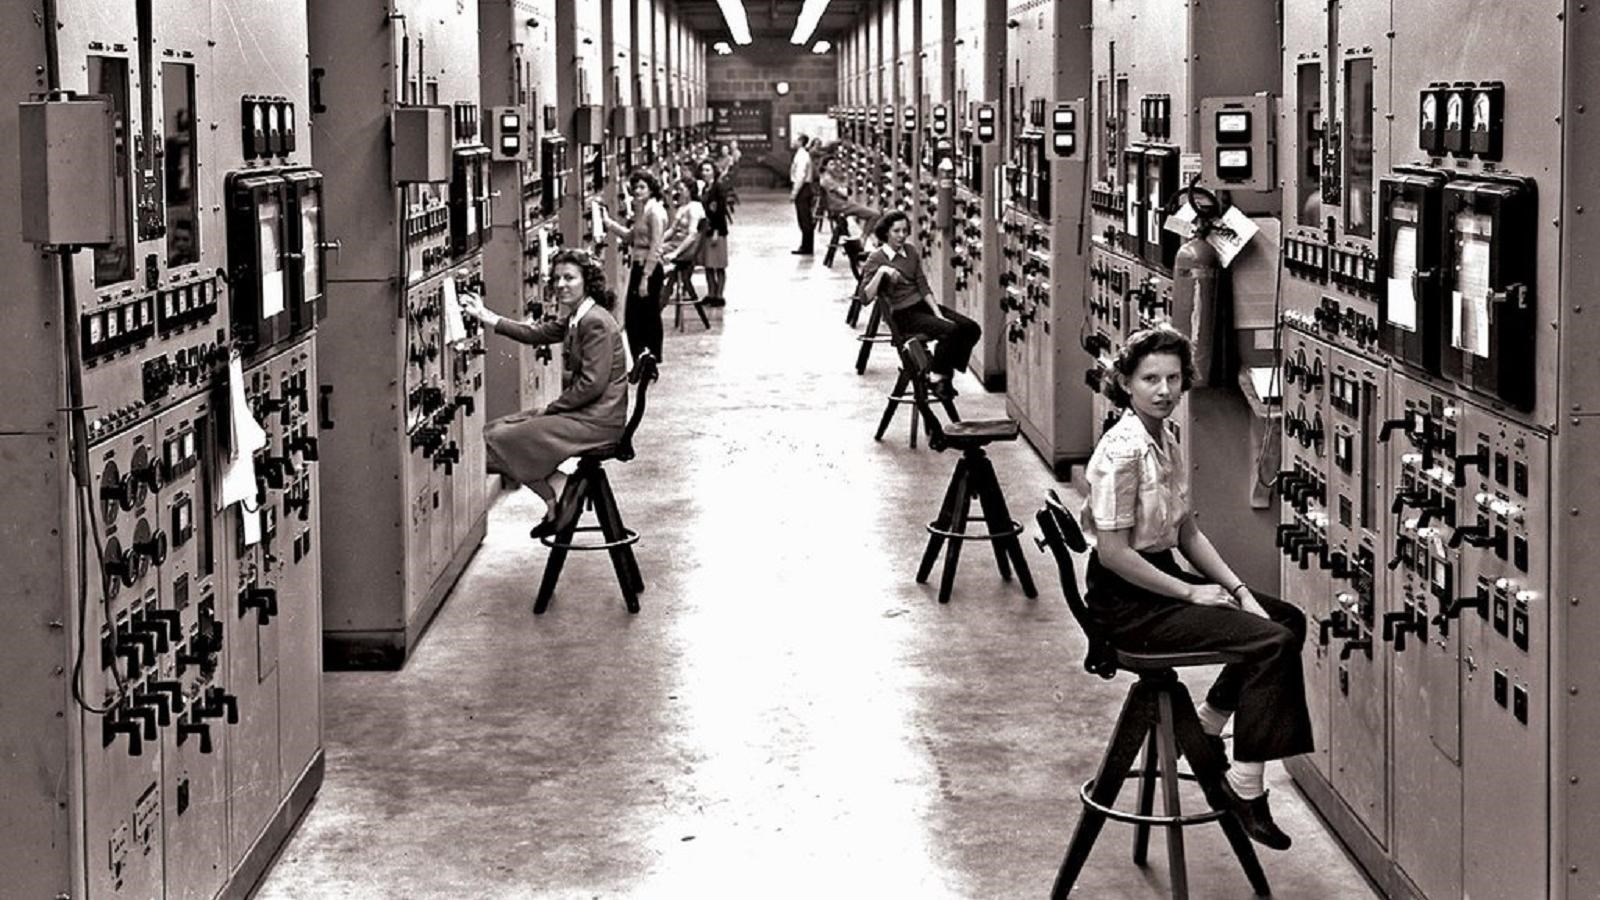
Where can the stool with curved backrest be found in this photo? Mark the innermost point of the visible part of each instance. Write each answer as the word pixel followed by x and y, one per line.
pixel 903 392
pixel 973 479
pixel 588 488
pixel 1158 716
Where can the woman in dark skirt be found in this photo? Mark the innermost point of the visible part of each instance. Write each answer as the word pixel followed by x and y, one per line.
pixel 1138 508
pixel 592 410
pixel 714 247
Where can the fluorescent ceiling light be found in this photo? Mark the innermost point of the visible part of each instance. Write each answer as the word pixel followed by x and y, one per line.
pixel 738 25
pixel 810 15
pixel 722 48
pixel 821 47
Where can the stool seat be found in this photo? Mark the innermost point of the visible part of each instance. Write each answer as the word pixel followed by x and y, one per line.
pixel 1135 661
pixel 977 432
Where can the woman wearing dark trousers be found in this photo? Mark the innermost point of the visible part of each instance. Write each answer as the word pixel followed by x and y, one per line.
pixel 895 270
pixel 642 317
pixel 1138 508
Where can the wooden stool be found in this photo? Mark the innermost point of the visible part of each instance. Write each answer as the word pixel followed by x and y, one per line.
pixel 973 479
pixel 680 293
pixel 903 393
pixel 1158 716
pixel 589 489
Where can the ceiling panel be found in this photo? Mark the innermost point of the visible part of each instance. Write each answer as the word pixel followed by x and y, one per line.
pixel 768 18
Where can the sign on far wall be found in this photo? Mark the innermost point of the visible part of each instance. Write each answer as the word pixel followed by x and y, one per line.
pixel 748 121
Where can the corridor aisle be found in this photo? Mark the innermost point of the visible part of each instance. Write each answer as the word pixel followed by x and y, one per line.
pixel 790 715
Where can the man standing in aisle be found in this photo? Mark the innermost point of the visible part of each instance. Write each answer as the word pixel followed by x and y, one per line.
pixel 802 192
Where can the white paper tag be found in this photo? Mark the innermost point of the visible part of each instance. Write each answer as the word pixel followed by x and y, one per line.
pixel 239 470
pixel 252 525
pixel 597 221
pixel 1181 223
pixel 1243 231
pixel 455 329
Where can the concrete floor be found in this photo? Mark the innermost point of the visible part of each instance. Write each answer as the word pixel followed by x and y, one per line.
pixel 790 715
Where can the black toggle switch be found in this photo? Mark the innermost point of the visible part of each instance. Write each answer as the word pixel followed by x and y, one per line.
pixel 1479 461
pixel 156 703
pixel 467 402
pixel 155 633
pixel 1402 499
pixel 219 702
pixel 1479 535
pixel 170 619
pixel 112 725
pixel 199 729
pixel 1390 425
pixel 305 446
pixel 1363 644
pixel 263 600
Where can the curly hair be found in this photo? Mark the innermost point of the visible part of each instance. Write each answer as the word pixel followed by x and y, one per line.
pixel 881 230
pixel 650 181
pixel 1150 341
pixel 594 275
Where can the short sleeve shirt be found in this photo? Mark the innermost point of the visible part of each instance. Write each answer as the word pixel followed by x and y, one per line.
pixel 1140 482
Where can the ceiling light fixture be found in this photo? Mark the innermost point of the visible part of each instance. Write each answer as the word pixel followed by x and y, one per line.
pixel 821 47
pixel 738 25
pixel 810 15
pixel 722 48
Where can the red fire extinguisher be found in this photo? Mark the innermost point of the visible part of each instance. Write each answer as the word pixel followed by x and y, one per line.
pixel 1199 289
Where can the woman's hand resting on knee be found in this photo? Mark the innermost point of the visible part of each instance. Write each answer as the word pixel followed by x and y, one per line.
pixel 1217 595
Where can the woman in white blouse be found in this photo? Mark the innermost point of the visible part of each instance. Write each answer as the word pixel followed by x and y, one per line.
pixel 1138 509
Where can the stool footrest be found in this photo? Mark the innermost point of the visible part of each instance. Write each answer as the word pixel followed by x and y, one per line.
pixel 1013 531
pixel 1117 815
pixel 629 537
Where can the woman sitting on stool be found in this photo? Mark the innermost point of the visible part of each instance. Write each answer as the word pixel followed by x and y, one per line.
pixel 592 410
pixel 680 249
pixel 1138 506
pixel 895 269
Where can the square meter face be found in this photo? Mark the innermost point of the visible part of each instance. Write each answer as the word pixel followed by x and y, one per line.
pixel 1236 145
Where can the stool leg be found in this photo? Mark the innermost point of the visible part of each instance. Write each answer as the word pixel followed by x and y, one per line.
pixel 867 341
pixel 700 307
pixel 957 490
pixel 900 383
pixel 1012 545
pixel 575 492
pixel 1147 799
pixel 622 559
pixel 1177 868
pixel 1136 720
pixel 988 489
pixel 952 555
pixel 1208 772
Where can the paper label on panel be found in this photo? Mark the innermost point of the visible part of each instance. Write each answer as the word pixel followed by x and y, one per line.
pixel 1132 216
pixel 455 328
pixel 239 470
pixel 252 525
pixel 1470 329
pixel 1402 311
pixel 597 221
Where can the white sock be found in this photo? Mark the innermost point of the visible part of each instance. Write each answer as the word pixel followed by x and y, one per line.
pixel 1212 719
pixel 1246 778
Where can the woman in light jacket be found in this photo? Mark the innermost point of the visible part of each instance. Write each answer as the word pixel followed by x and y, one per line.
pixel 592 410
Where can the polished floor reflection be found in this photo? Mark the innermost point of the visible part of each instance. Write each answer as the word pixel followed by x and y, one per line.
pixel 790 715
